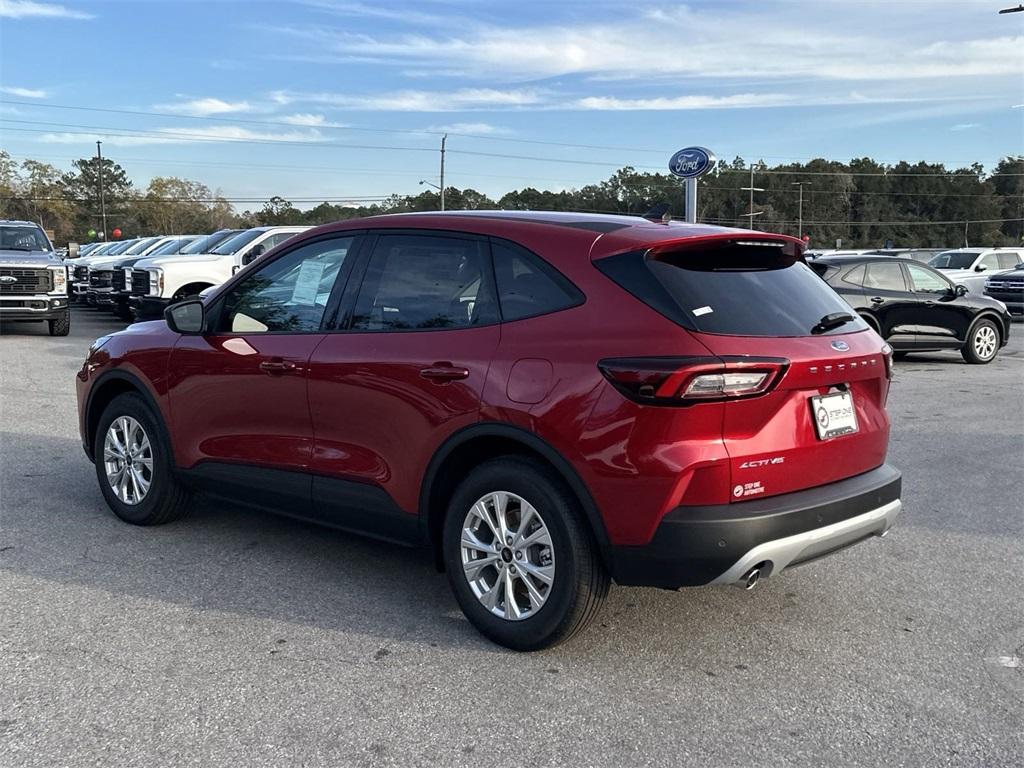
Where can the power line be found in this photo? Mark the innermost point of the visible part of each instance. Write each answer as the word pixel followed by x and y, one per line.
pixel 205 138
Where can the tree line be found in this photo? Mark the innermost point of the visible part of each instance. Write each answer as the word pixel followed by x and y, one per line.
pixel 863 203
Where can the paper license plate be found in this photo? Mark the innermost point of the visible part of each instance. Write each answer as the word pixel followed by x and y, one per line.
pixel 834 415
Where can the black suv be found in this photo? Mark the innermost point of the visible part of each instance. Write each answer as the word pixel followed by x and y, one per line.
pixel 917 309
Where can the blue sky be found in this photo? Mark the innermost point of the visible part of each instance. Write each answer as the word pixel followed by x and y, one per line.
pixel 332 99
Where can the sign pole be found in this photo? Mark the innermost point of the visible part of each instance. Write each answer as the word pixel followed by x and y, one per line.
pixel 691 200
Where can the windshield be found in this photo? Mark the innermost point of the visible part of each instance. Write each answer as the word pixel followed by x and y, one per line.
pixel 954 259
pixel 236 243
pixel 23 238
pixel 120 248
pixel 172 246
pixel 140 246
pixel 733 289
pixel 204 244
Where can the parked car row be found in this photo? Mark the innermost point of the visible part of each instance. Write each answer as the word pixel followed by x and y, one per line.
pixel 142 276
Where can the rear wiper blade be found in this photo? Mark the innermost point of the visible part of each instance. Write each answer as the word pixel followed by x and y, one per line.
pixel 828 322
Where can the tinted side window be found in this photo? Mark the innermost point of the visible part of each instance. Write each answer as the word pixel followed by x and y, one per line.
pixel 290 294
pixel 885 277
pixel 423 282
pixel 926 281
pixel 527 285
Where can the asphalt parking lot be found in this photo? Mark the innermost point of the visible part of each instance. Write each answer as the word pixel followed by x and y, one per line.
pixel 241 639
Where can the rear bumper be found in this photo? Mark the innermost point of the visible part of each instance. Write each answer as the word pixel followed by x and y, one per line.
pixel 693 546
pixel 43 307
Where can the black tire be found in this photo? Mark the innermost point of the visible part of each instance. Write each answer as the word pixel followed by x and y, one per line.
pixel 580 581
pixel 61 326
pixel 970 350
pixel 900 355
pixel 167 498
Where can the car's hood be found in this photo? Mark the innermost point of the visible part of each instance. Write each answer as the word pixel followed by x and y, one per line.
pixel 174 259
pixel 12 258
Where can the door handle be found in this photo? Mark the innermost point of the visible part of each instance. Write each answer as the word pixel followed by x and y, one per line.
pixel 277 366
pixel 877 300
pixel 444 372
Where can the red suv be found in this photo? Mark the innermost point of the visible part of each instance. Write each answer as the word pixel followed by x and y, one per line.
pixel 547 401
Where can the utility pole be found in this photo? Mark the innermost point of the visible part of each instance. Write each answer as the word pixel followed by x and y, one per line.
pixel 800 207
pixel 443 140
pixel 103 203
pixel 752 189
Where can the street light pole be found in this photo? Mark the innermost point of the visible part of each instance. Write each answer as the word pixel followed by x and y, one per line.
pixel 444 139
pixel 800 207
pixel 103 203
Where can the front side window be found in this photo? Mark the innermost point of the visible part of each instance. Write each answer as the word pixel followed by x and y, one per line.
pixel 926 281
pixel 423 282
pixel 290 294
pixel 236 243
pixel 990 262
pixel 954 259
pixel 885 277
pixel 527 286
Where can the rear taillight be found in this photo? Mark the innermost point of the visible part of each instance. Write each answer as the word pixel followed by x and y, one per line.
pixel 887 358
pixel 688 380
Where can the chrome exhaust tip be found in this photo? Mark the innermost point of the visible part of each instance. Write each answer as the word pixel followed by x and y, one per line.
pixel 749 580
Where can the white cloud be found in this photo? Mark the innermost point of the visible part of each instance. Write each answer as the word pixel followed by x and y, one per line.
pixel 479 129
pixel 740 100
pixel 24 93
pixel 206 106
pixel 821 41
pixel 309 120
pixel 365 10
pixel 964 126
pixel 214 133
pixel 463 99
pixel 24 9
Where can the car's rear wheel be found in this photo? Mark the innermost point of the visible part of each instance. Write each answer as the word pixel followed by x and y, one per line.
pixel 982 343
pixel 520 558
pixel 134 466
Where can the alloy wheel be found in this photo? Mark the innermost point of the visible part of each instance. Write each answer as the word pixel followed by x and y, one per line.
pixel 507 555
pixel 985 341
pixel 128 460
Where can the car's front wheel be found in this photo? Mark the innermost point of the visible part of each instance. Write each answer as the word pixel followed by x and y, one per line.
pixel 519 555
pixel 134 465
pixel 982 343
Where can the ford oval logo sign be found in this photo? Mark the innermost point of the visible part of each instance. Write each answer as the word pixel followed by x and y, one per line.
pixel 691 162
pixel 840 346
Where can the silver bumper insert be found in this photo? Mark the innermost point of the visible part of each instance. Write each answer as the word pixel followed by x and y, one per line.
pixel 774 556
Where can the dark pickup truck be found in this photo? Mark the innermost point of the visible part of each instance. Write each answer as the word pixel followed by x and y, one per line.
pixel 1008 287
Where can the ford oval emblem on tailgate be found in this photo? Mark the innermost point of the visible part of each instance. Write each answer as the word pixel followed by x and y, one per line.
pixel 840 346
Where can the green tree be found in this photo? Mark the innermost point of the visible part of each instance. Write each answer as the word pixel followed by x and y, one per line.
pixel 81 185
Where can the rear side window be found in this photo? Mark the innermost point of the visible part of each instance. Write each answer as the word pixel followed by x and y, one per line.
pixel 887 276
pixel 855 276
pixel 529 286
pixel 423 282
pixel 738 290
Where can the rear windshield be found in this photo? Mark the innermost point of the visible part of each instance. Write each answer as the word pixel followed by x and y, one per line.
pixel 954 259
pixel 736 290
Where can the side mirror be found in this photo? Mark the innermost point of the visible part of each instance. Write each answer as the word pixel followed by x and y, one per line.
pixel 255 253
pixel 187 318
pixel 960 290
pixel 979 268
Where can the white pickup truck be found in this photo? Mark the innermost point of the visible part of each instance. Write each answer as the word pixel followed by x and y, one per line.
pixel 164 280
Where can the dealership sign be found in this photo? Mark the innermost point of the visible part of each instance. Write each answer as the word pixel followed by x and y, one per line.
pixel 691 162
